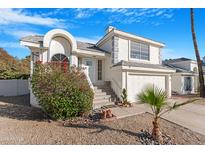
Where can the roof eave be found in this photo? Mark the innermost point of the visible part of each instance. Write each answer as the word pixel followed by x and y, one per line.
pixel 128 35
pixel 162 70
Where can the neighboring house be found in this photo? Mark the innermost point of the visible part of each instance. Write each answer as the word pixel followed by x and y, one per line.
pixel 122 59
pixel 185 80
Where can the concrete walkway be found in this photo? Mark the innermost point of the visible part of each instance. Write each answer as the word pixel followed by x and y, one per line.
pixel 191 116
pixel 122 112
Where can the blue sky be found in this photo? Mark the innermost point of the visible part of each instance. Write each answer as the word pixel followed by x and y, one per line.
pixel 170 26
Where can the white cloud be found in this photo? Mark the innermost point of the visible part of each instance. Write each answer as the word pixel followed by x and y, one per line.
pixel 168 16
pixel 141 15
pixel 11 16
pixel 94 39
pixel 10 45
pixel 127 15
pixel 84 13
pixel 159 13
pixel 118 10
pixel 53 12
pixel 20 34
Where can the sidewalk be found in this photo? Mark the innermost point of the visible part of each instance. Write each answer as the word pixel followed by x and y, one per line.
pixel 122 112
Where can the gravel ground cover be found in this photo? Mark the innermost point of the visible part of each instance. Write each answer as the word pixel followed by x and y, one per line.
pixel 26 125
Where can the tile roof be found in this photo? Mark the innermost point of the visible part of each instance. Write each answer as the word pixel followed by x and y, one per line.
pixel 178 60
pixel 80 45
pixel 33 38
pixel 178 69
pixel 136 64
pixel 89 47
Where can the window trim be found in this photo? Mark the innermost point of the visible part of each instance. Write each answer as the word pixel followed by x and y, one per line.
pixel 136 59
pixel 51 59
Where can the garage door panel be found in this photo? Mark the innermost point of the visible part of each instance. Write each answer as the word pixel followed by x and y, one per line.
pixel 136 83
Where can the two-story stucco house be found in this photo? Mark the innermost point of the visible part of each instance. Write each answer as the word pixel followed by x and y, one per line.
pixel 122 59
pixel 186 78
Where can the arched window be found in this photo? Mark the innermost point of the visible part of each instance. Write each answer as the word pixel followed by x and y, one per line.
pixel 59 58
pixel 62 60
pixel 195 70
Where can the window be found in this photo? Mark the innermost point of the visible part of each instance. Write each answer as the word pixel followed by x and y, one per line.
pixel 59 58
pixel 99 69
pixel 35 56
pixel 139 51
pixel 89 63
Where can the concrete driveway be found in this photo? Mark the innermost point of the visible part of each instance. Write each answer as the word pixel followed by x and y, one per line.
pixel 191 116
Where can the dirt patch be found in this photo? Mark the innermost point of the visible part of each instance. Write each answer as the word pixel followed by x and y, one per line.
pixel 22 124
pixel 27 125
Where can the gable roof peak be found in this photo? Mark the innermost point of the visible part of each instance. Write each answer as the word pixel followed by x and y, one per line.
pixel 109 28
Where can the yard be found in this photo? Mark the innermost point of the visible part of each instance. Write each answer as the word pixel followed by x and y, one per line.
pixel 21 124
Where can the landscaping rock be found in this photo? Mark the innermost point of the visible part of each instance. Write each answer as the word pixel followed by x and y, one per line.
pixel 147 139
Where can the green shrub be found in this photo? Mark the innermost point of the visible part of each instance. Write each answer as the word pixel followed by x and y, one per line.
pixel 124 95
pixel 61 93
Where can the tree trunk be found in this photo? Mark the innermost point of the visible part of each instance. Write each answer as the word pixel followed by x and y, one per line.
pixel 199 61
pixel 156 133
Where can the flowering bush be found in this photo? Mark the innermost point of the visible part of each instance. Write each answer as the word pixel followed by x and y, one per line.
pixel 62 93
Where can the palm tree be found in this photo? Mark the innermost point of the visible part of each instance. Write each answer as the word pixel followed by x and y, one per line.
pixel 199 61
pixel 157 99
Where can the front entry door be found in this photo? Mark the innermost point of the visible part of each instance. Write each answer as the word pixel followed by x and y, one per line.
pixel 91 68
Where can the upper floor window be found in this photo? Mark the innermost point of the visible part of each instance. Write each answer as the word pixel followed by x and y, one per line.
pixel 139 51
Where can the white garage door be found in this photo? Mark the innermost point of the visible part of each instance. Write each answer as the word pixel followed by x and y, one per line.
pixel 136 83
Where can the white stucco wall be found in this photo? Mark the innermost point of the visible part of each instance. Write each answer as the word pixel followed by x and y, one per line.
pixel 123 49
pixel 45 56
pixel 59 45
pixel 107 68
pixel 107 46
pixel 14 87
pixel 193 65
pixel 177 83
pixel 154 55
pixel 116 80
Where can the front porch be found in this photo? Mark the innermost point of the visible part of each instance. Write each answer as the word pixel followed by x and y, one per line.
pixel 94 68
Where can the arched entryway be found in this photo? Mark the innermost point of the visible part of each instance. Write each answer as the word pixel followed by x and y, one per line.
pixel 59 41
